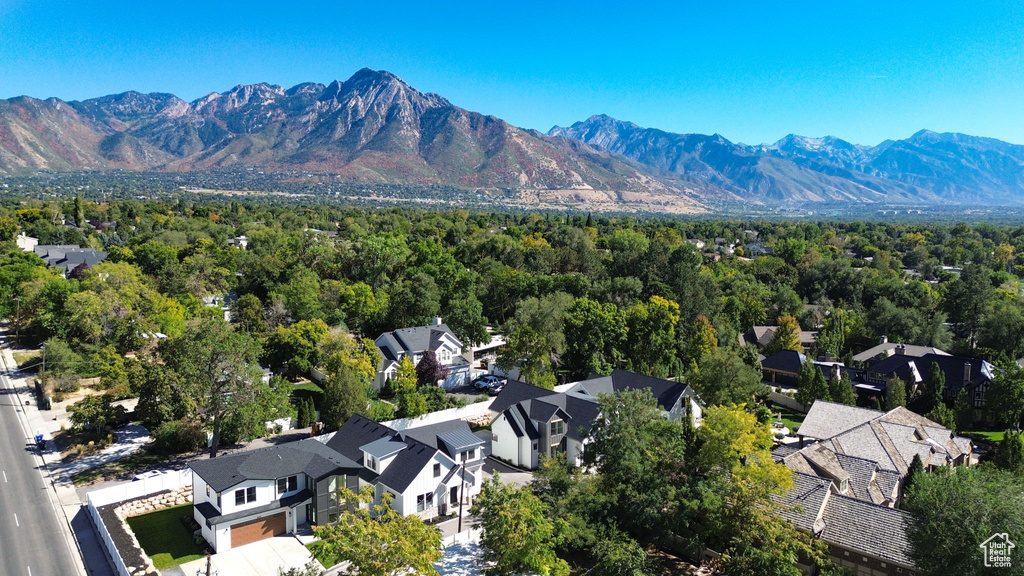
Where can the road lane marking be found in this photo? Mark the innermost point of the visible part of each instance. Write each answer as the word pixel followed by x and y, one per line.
pixel 5 476
pixel 29 570
pixel 18 524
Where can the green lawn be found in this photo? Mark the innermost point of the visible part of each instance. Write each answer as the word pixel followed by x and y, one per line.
pixel 989 436
pixel 791 418
pixel 307 387
pixel 164 538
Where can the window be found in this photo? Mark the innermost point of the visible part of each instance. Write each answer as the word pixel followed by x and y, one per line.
pixel 207 490
pixel 437 470
pixel 557 428
pixel 424 501
pixel 245 495
pixel 371 462
pixel 288 484
pixel 470 455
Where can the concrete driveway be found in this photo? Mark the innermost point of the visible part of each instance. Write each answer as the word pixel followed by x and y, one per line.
pixel 262 558
pixel 509 475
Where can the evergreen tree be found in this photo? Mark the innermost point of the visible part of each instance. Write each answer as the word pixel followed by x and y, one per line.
pixel 913 473
pixel 895 393
pixel 964 411
pixel 811 385
pixel 1010 452
pixel 935 387
pixel 942 415
pixel 841 390
pixel 344 395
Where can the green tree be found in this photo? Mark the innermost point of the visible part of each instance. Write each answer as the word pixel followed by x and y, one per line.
pixel 914 472
pixel 534 336
pixel 377 540
pixel 344 395
pixel 161 397
pixel 1005 394
pixel 811 385
pixel 247 314
pixel 942 415
pixel 518 534
pixel 298 346
pixel 963 411
pixel 935 387
pixel 841 390
pixel 724 378
pixel 785 337
pixel 651 345
pixel 895 393
pixel 639 456
pixel 95 413
pixel 1010 452
pixel 412 404
pixel 218 368
pixel 700 343
pixel 594 336
pixel 953 511
pixel 404 381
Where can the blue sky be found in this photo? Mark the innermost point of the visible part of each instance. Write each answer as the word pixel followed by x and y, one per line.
pixel 751 71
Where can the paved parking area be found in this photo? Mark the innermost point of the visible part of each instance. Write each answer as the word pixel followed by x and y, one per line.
pixel 509 475
pixel 262 558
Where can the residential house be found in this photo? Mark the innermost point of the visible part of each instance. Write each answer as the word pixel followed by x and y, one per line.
pixel 851 476
pixel 891 439
pixel 243 498
pixel 429 470
pixel 531 422
pixel 414 342
pixel 67 257
pixel 782 367
pixel 863 537
pixel 246 497
pixel 962 373
pixel 885 349
pixel 761 336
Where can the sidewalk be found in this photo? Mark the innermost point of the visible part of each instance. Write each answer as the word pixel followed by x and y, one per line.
pixel 67 497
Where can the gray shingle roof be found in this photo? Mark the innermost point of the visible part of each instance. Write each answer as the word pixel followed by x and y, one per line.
pixel 826 419
pixel 303 457
pixel 666 392
pixel 515 392
pixel 889 348
pixel 876 530
pixel 357 431
pixel 803 503
pixel 784 361
pixel 401 472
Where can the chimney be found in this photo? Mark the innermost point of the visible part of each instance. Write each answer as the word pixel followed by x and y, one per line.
pixel 835 372
pixel 967 373
pixel 437 320
pixel 901 349
pixel 884 340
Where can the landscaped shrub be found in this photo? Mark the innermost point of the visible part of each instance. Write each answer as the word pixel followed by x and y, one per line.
pixel 178 436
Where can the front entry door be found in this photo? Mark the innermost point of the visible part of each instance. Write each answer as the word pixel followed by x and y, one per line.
pixel 454 495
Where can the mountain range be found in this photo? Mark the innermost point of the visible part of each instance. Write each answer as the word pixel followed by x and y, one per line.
pixel 375 128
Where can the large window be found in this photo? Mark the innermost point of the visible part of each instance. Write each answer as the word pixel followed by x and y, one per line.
pixel 437 470
pixel 557 428
pixel 371 462
pixel 287 484
pixel 424 501
pixel 245 495
pixel 469 455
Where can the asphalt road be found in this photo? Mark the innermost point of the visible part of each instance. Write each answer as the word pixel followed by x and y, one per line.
pixel 31 539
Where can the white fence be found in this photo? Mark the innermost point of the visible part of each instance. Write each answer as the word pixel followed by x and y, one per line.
pixel 476 409
pixel 778 396
pixel 471 535
pixel 171 480
pixel 130 491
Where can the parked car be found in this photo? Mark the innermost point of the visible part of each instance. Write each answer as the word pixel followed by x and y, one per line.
pixel 149 474
pixel 486 382
pixel 496 388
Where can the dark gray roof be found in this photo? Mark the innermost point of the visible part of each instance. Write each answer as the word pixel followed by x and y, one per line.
pixel 784 361
pixel 209 511
pixel 515 392
pixel 876 530
pixel 304 457
pixel 802 504
pixel 419 338
pixel 407 465
pixel 358 431
pixel 530 430
pixel 666 392
pixel 451 437
pixel 541 410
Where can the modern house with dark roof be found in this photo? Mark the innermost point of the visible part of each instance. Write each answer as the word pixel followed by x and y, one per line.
pixel 861 536
pixel 414 342
pixel 531 422
pixel 247 497
pixel 243 498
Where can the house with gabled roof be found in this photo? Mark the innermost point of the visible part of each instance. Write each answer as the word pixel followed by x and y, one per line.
pixel 885 349
pixel 861 536
pixel 530 422
pixel 246 497
pixel 413 342
pixel 891 439
pixel 962 373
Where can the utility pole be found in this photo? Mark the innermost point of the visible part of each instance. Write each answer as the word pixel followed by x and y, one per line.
pixel 42 373
pixel 462 494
